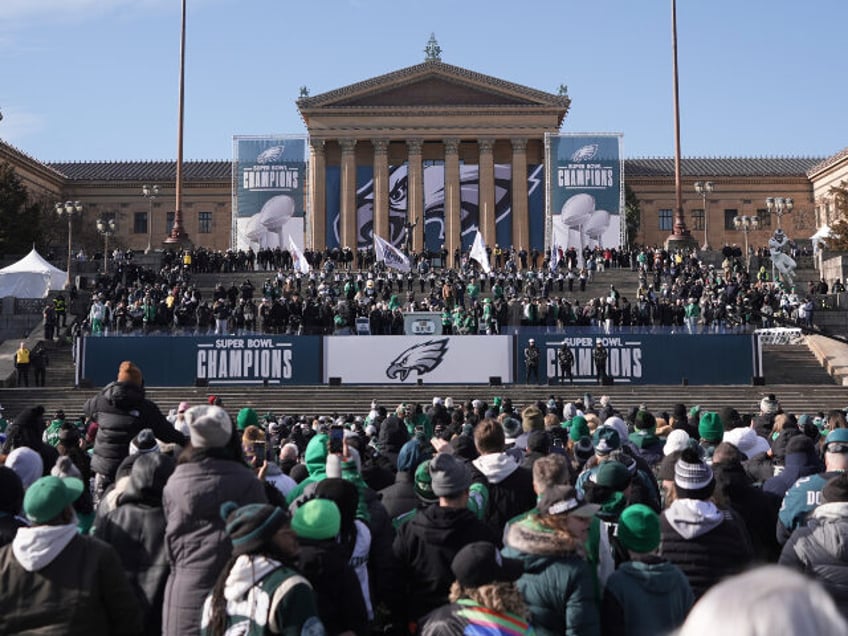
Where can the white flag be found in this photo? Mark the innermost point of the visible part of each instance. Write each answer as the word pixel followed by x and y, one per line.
pixel 478 252
pixel 390 255
pixel 554 254
pixel 299 263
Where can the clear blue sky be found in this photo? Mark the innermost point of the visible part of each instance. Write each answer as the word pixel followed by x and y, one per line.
pixel 98 79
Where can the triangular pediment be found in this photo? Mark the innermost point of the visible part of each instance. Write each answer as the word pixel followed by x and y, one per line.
pixel 433 83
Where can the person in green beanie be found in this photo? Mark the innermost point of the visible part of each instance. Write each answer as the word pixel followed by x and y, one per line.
pixel 646 595
pixel 711 433
pixel 324 562
pixel 246 417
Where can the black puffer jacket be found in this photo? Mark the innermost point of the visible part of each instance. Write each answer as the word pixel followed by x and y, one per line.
pixel 820 549
pixel 121 411
pixel 425 546
pixel 708 544
pixel 136 529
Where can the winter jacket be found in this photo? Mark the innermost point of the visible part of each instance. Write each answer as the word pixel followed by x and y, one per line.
pixel 795 466
pixel 400 497
pixel 121 411
pixel 256 581
pixel 337 590
pixel 756 509
pixel 424 548
pixel 708 544
pixel 648 445
pixel 820 550
pixel 510 489
pixel 195 540
pixel 557 585
pixel 467 617
pixel 9 525
pixel 55 581
pixel 644 598
pixel 136 529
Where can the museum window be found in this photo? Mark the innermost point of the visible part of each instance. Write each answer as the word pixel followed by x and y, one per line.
pixel 765 217
pixel 140 223
pixel 169 223
pixel 666 220
pixel 204 222
pixel 698 219
pixel 729 215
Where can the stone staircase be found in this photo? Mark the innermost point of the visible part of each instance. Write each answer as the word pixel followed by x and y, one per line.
pixel 793 364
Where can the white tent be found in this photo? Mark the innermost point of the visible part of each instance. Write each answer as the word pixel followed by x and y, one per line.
pixel 31 277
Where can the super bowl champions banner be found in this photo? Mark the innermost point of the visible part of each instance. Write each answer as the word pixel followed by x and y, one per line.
pixel 585 189
pixel 268 197
pixel 180 361
pixel 434 205
pixel 408 359
pixel 635 358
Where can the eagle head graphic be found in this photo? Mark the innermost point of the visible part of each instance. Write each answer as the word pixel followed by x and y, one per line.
pixel 585 153
pixel 423 357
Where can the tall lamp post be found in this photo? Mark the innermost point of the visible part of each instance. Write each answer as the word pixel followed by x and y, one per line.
pixel 746 224
pixel 107 227
pixel 779 206
pixel 69 209
pixel 704 188
pixel 149 193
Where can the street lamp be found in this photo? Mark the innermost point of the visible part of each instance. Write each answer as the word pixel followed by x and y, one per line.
pixel 704 188
pixel 150 193
pixel 107 227
pixel 69 209
pixel 746 223
pixel 779 206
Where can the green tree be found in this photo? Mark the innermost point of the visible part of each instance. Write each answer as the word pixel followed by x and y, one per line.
pixel 838 240
pixel 20 216
pixel 632 214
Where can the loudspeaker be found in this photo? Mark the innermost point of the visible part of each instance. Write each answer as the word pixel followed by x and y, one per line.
pixel 85 383
pixel 335 381
pixel 494 380
pixel 265 382
pixel 758 380
pixel 201 382
pixel 684 382
pixel 607 381
pixel 420 381
pixel 553 381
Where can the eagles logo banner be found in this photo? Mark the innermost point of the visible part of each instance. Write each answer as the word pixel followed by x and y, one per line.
pixel 408 359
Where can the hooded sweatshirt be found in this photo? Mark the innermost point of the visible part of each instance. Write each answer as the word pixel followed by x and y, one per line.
pixel 643 598
pixel 708 544
pixel 510 488
pixel 36 547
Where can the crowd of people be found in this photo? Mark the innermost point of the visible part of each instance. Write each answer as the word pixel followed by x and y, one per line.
pixel 556 516
pixel 346 293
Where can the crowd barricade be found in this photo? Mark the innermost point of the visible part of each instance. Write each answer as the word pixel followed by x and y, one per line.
pixel 780 335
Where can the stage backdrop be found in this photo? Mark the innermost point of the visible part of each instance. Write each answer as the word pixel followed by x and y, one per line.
pixel 180 361
pixel 649 358
pixel 585 189
pixel 408 359
pixel 268 193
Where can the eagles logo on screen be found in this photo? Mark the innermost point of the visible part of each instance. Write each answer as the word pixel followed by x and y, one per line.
pixel 271 155
pixel 586 153
pixel 423 358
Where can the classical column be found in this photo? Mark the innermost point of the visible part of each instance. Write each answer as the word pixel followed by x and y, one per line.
pixel 381 188
pixel 452 200
pixel 486 197
pixel 318 194
pixel 415 199
pixel 520 220
pixel 347 222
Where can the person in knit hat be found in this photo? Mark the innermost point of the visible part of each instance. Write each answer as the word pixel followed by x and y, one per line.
pixel 246 417
pixel 210 472
pixel 121 411
pixel 261 576
pixel 646 590
pixel 324 562
pixel 27 430
pixel 710 431
pixel 705 542
pixel 644 437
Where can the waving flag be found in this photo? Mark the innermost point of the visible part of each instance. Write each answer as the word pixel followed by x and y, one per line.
pixel 478 252
pixel 390 255
pixel 299 263
pixel 555 257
